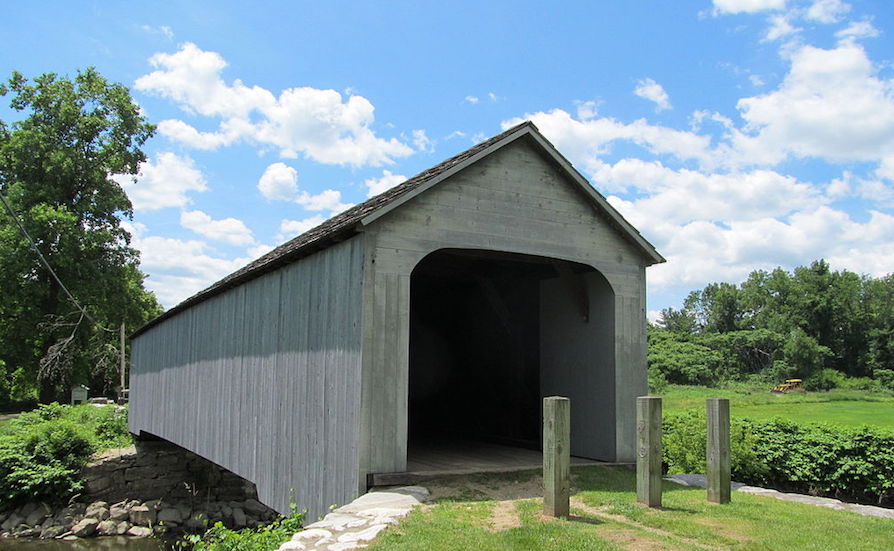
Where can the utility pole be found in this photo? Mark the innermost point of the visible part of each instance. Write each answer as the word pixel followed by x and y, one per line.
pixel 121 350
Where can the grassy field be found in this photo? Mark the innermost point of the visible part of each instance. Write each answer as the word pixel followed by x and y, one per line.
pixel 841 407
pixel 502 512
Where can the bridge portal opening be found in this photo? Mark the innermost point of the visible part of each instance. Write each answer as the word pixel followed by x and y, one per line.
pixel 491 334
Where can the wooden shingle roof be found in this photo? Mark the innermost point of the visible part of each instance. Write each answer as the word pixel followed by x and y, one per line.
pixel 344 225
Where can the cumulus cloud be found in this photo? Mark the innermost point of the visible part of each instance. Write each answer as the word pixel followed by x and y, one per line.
pixel 857 30
pixel 293 228
pixel 163 182
pixel 319 124
pixel 386 182
pixel 827 11
pixel 831 105
pixel 227 230
pixel 654 92
pixel 279 182
pixel 180 268
pixel 746 6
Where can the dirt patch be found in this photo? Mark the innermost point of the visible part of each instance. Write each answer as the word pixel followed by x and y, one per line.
pixel 634 540
pixel 476 487
pixel 722 529
pixel 504 516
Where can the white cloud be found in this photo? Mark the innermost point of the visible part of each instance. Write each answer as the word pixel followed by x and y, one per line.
pixel 493 97
pixel 386 182
pixel 329 199
pixel 831 105
pixel 747 6
pixel 756 80
pixel 654 92
pixel 780 27
pixel 163 182
pixel 320 124
pixel 163 30
pixel 471 99
pixel 857 30
pixel 227 230
pixel 584 140
pixel 421 142
pixel 293 228
pixel 827 11
pixel 258 251
pixel 279 182
pixel 178 269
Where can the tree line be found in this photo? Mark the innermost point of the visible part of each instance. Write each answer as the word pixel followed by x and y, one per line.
pixel 777 325
pixel 68 275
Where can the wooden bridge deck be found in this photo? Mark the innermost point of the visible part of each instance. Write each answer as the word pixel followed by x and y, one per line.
pixel 443 458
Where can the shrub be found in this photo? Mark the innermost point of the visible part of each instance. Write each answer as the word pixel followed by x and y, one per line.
pixel 854 463
pixel 885 377
pixel 43 451
pixel 263 538
pixel 825 379
pixel 42 461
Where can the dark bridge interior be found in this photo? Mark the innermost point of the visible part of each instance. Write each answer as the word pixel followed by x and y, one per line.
pixel 475 338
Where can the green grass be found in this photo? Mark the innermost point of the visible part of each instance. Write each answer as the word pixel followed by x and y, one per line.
pixel 839 407
pixel 605 517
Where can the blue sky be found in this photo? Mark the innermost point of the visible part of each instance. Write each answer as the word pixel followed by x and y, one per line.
pixel 735 134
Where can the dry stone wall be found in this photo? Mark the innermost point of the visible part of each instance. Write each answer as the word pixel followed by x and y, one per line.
pixel 152 488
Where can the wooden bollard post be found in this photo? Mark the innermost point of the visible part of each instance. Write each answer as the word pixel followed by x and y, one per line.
pixel 556 455
pixel 718 450
pixel 648 450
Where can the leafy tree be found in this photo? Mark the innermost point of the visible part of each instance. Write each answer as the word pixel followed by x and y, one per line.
pixel 717 308
pixel 55 168
pixel 678 321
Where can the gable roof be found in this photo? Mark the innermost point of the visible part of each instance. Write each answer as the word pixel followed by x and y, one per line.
pixel 346 224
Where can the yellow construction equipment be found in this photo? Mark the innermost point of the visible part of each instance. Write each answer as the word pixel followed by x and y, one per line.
pixel 788 386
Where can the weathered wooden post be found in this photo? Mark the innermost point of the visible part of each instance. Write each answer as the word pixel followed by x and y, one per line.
pixel 556 455
pixel 718 450
pixel 648 450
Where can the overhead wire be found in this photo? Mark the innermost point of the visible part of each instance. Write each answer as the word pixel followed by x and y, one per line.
pixel 46 265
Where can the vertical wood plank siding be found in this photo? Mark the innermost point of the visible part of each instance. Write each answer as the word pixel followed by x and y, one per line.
pixel 264 380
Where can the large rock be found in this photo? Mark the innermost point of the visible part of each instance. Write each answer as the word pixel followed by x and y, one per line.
pixel 123 527
pixel 38 515
pixel 139 532
pixel 119 511
pixel 85 528
pixel 169 515
pixel 98 509
pixel 14 520
pixel 141 515
pixel 254 507
pixel 107 528
pixel 53 532
pixel 239 519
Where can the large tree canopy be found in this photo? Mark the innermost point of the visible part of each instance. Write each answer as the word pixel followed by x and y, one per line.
pixel 56 164
pixel 782 324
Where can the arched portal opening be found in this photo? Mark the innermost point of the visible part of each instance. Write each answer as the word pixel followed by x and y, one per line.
pixel 491 334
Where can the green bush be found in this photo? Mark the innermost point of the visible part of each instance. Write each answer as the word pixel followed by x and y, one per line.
pixel 853 463
pixel 42 451
pixel 825 379
pixel 885 377
pixel 42 461
pixel 264 538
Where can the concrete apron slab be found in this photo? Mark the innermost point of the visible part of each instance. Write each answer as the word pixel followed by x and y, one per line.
pixel 830 503
pixel 354 525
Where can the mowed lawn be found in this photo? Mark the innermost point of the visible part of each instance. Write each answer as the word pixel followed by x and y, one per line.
pixel 840 407
pixel 487 513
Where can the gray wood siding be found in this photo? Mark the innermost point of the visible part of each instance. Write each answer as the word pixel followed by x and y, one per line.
pixel 514 200
pixel 264 380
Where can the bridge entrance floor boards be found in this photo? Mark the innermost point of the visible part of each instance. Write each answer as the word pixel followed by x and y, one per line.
pixel 437 458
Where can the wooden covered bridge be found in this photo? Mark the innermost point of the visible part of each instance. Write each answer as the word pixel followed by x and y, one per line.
pixel 441 310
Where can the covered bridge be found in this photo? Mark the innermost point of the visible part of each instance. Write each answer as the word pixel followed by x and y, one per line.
pixel 445 307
